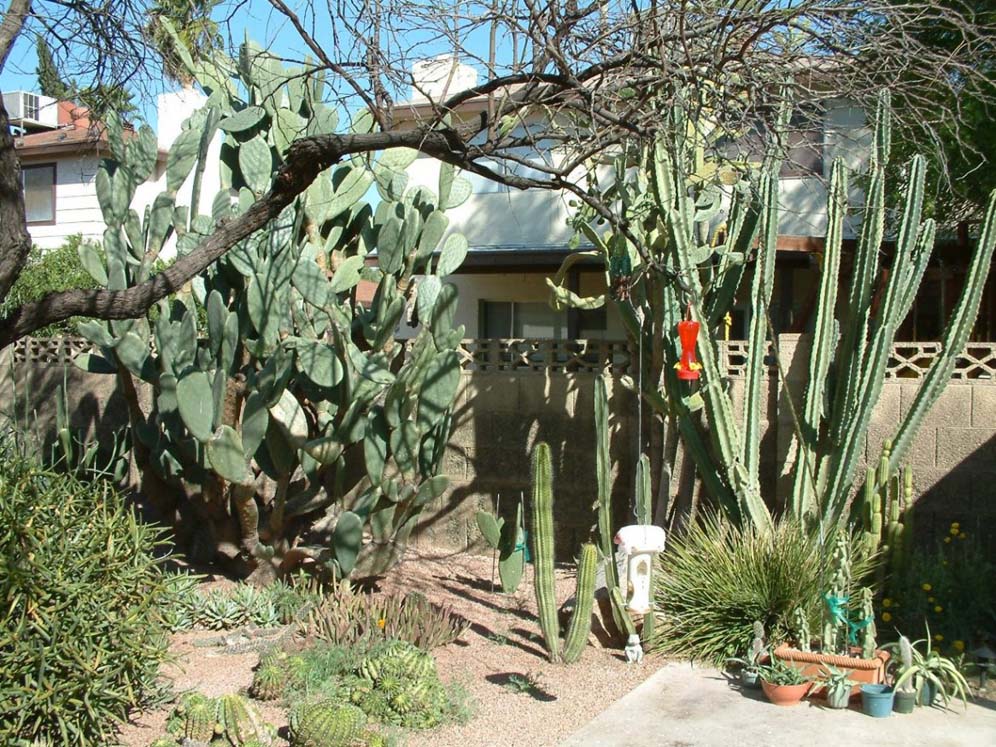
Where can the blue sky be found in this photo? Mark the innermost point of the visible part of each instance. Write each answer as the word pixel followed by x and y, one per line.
pixel 256 17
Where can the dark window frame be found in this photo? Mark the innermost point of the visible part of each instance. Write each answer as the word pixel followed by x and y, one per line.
pixel 55 180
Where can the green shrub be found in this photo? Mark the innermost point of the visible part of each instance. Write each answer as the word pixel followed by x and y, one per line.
pixel 948 587
pixel 49 271
pixel 81 636
pixel 717 579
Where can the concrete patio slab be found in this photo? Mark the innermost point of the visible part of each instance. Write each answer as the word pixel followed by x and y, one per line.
pixel 686 706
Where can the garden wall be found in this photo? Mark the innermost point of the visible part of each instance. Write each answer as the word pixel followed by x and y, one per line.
pixel 514 393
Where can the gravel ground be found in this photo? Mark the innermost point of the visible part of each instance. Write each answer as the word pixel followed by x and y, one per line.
pixel 503 640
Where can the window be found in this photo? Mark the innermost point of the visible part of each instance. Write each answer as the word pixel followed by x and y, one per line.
pixel 521 319
pixel 39 193
pixel 32 106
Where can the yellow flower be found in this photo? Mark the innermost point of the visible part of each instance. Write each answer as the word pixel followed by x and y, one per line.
pixel 959 646
pixel 381 623
pixel 954 529
pixel 938 608
pixel 927 587
pixel 938 637
pixel 930 599
pixel 962 536
pixel 886 602
pixel 886 617
pixel 955 525
pixel 947 540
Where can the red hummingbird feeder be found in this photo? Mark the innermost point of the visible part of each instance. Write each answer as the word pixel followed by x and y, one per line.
pixel 688 368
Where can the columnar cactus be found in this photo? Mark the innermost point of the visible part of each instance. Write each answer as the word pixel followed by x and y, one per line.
pixel 543 554
pixel 800 629
pixel 280 403
pixel 690 233
pixel 867 633
pixel 885 515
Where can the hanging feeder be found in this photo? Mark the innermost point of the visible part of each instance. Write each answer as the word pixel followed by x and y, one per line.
pixel 688 367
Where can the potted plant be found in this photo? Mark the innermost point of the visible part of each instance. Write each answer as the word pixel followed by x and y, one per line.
pixel 749 664
pixel 783 684
pixel 848 639
pixel 836 685
pixel 932 674
pixel 906 692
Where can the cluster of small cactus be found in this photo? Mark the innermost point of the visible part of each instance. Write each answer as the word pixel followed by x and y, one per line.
pixel 886 516
pixel 331 723
pixel 850 618
pixel 800 629
pixel 230 720
pixel 543 555
pixel 271 382
pixel 245 604
pixel 688 244
pixel 397 684
pixel 510 541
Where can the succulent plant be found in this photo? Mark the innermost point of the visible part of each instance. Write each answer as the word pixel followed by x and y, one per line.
pixel 326 723
pixel 509 539
pixel 240 724
pixel 268 682
pixel 195 717
pixel 543 555
pixel 270 381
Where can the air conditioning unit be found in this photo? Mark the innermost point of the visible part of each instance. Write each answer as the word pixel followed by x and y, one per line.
pixel 31 110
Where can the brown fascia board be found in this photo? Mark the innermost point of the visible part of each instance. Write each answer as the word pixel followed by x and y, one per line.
pixel 70 146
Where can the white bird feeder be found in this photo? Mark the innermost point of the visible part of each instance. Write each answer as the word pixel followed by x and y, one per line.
pixel 639 543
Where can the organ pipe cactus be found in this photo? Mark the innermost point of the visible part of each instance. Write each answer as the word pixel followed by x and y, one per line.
pixel 543 555
pixel 885 515
pixel 283 412
pixel 689 234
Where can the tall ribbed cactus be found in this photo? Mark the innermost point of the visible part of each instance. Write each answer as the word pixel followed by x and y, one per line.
pixel 885 515
pixel 284 413
pixel 689 235
pixel 543 555
pixel 542 534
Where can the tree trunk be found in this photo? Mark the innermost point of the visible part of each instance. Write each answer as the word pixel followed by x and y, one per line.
pixel 15 242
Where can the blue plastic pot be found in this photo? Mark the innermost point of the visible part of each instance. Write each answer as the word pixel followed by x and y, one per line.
pixel 876 700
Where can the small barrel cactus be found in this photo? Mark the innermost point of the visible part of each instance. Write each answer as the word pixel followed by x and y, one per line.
pixel 326 723
pixel 268 682
pixel 241 723
pixel 194 718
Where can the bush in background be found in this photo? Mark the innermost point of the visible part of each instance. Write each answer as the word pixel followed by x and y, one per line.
pixel 717 579
pixel 81 634
pixel 947 589
pixel 48 271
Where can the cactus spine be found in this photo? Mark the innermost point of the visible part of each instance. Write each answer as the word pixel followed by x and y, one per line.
pixel 546 591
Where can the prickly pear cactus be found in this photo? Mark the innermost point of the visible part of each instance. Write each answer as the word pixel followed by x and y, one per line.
pixel 279 400
pixel 326 723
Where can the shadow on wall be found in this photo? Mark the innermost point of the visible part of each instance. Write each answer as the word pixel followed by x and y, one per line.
pixel 499 417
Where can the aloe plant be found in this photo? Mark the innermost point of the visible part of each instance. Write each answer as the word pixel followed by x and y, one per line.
pixel 284 414
pixel 686 237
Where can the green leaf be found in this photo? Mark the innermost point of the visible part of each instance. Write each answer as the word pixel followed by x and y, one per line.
pixel 347 539
pixel 243 120
pixel 490 527
pixel 93 363
pixel 226 456
pixel 310 281
pixel 196 404
pixel 442 377
pixel 256 164
pixel 318 362
pixel 181 158
pixel 460 192
pixel 290 416
pixel 452 255
pixel 347 275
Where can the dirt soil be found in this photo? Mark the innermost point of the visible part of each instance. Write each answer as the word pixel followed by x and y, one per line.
pixel 503 640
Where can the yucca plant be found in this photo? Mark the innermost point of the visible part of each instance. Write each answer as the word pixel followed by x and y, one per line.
pixel 718 578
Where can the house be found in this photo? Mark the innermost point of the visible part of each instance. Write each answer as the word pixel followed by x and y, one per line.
pixel 518 238
pixel 60 147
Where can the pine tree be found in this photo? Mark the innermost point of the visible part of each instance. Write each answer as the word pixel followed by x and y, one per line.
pixel 49 80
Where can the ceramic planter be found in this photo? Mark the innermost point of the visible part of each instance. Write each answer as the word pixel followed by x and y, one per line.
pixel 876 700
pixel 839 698
pixel 905 701
pixel 863 671
pixel 785 695
pixel 750 680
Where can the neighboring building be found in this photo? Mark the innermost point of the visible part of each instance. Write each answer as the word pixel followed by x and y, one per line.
pixel 518 238
pixel 60 148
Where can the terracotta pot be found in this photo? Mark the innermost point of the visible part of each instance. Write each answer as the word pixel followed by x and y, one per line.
pixel 863 671
pixel 785 695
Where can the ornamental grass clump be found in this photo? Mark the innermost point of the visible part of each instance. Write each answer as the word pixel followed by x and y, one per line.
pixel 81 634
pixel 717 579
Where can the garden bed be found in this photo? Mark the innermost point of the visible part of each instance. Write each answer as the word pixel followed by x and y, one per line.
pixel 501 647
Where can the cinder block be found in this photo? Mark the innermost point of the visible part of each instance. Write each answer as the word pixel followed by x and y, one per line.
pixel 965 448
pixel 493 392
pixel 555 394
pixel 984 406
pixel 953 407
